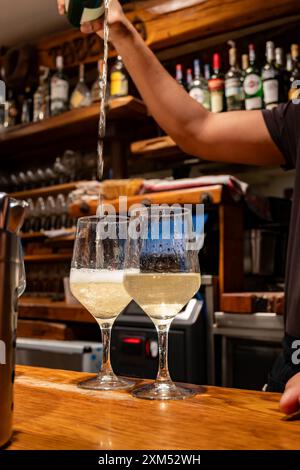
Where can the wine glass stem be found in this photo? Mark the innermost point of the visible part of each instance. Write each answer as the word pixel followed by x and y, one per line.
pixel 106 368
pixel 163 369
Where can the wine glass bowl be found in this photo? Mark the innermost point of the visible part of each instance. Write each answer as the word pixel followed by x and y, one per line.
pixel 96 280
pixel 162 274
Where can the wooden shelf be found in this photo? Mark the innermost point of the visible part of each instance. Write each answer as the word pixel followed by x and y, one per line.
pixel 35 235
pixel 46 191
pixel 67 125
pixel 207 194
pixel 47 258
pixel 158 147
pixel 43 309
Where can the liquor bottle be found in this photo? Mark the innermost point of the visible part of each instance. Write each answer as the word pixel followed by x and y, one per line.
pixel 295 73
pixel 59 89
pixel 199 87
pixel 245 65
pixel 27 106
pixel 118 79
pixel 253 87
pixel 189 79
pixel 233 82
pixel 3 102
pixel 81 96
pixel 13 111
pixel 41 97
pixel 270 78
pixel 207 73
pixel 284 73
pixel 96 91
pixel 216 86
pixel 179 75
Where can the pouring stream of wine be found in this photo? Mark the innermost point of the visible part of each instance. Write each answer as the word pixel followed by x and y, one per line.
pixel 103 88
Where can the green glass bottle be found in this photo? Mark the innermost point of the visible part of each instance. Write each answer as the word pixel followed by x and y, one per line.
pixel 253 87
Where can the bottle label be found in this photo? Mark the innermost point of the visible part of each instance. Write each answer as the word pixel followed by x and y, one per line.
pixel 201 96
pixel 271 91
pixel 252 84
pixel 217 101
pixel 267 74
pixel 59 89
pixel 253 103
pixel 118 84
pixel 197 94
pixel 216 84
pixel 233 87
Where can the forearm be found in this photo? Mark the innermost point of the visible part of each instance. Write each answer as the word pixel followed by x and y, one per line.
pixel 169 104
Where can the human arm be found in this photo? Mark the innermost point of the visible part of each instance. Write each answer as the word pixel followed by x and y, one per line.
pixel 239 137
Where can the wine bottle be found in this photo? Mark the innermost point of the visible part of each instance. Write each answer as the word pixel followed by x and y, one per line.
pixel 253 87
pixel 81 96
pixel 199 87
pixel 233 82
pixel 216 86
pixel 270 78
pixel 59 89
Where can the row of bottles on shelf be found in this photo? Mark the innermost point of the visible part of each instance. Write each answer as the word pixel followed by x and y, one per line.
pixel 71 167
pixel 250 87
pixel 46 214
pixel 52 97
pixel 44 282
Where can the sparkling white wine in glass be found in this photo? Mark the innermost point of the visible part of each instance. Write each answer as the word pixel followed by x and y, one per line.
pixel 101 292
pixel 96 280
pixel 162 295
pixel 162 274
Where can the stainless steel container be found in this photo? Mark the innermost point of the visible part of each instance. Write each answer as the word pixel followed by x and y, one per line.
pixel 259 252
pixel 12 285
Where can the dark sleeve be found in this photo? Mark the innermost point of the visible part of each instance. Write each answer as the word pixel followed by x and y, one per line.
pixel 283 124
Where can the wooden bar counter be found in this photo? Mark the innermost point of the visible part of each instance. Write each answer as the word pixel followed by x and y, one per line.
pixel 52 413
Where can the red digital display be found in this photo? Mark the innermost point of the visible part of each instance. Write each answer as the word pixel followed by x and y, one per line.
pixel 132 340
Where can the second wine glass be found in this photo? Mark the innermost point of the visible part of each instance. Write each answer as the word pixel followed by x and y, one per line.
pixel 162 274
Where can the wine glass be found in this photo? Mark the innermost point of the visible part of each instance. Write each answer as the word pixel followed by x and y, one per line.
pixel 96 280
pixel 162 274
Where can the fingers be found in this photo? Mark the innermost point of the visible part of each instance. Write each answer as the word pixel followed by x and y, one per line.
pixel 61 6
pixel 290 400
pixel 92 26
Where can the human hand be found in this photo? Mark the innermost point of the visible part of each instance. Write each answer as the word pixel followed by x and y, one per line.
pixel 290 400
pixel 116 19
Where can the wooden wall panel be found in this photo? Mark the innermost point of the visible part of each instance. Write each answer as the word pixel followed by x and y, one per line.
pixel 165 24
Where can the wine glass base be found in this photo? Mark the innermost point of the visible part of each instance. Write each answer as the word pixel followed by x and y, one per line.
pixel 106 383
pixel 163 391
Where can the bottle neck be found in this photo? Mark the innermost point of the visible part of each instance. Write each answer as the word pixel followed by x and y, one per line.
pixel 245 62
pixel 252 55
pixel 270 56
pixel 81 73
pixel 207 72
pixel 60 65
pixel 216 64
pixel 279 57
pixel 179 74
pixel 197 69
pixel 232 58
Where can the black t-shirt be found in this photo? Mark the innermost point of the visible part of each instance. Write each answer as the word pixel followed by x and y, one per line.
pixel 283 124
